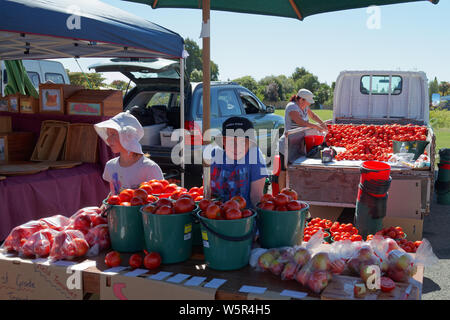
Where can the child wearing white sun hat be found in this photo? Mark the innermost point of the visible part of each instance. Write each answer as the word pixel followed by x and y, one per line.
pixel 122 134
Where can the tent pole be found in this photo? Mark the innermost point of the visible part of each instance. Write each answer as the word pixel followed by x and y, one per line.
pixel 206 95
pixel 182 118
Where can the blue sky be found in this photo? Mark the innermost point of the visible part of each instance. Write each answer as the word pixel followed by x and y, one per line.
pixel 412 36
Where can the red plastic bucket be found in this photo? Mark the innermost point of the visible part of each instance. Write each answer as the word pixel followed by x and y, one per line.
pixel 312 141
pixel 376 170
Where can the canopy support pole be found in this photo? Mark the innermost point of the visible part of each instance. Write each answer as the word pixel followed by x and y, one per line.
pixel 182 118
pixel 206 97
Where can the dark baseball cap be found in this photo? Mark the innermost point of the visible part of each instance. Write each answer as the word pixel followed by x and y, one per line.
pixel 239 127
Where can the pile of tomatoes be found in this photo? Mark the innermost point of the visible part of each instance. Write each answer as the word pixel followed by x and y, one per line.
pixel 185 203
pixel 395 233
pixel 149 191
pixel 286 200
pixel 337 231
pixel 371 142
pixel 233 209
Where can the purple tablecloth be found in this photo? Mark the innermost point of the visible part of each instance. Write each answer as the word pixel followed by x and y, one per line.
pixel 60 191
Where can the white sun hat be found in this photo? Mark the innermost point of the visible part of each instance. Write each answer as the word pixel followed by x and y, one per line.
pixel 306 94
pixel 129 129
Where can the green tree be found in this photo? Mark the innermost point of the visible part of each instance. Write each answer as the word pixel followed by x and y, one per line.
pixel 444 86
pixel 119 85
pixel 247 82
pixel 308 81
pixel 271 93
pixel 196 75
pixel 194 61
pixel 298 73
pixel 433 87
pixel 90 80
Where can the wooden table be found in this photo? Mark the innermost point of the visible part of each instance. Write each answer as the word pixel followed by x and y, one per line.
pixel 195 266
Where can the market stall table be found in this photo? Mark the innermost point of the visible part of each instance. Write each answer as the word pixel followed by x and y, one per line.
pixel 95 281
pixel 54 191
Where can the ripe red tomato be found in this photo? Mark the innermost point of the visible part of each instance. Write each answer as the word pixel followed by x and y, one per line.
pixel 171 188
pixel 290 192
pixel 151 199
pixel 164 210
pixel 135 261
pixel 147 188
pixel 246 213
pixel 233 214
pixel 268 205
pixel 195 190
pixel 137 201
pixel 114 200
pixel 164 183
pixel 164 202
pixel 140 193
pixel 241 201
pixel 157 187
pixel 294 205
pixel 112 259
pixel 183 205
pixel 203 204
pixel 230 204
pixel 213 211
pixel 267 197
pixel 152 260
pixel 150 208
pixel 281 208
pixel 126 195
pixel 281 199
pixel 386 284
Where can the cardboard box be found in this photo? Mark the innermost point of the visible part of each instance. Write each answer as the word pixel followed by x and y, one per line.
pixel 5 124
pixel 16 146
pixel 95 103
pixel 122 287
pixel 21 279
pixel 152 135
pixel 405 199
pixel 4 104
pixel 412 227
pixel 53 97
pixel 166 138
pixel 29 104
pixel 13 104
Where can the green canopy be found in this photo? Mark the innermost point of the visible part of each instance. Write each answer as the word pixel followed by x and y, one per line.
pixel 298 9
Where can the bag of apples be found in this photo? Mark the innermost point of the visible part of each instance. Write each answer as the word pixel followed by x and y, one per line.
pixel 398 264
pixel 285 261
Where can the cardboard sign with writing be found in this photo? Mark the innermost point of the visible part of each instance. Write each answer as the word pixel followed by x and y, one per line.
pixel 22 279
pixel 119 287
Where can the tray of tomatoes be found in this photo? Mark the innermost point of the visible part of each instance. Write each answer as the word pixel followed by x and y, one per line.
pixel 371 142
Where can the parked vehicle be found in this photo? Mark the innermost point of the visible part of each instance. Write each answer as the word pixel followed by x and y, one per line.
pixel 39 71
pixel 155 101
pixel 373 97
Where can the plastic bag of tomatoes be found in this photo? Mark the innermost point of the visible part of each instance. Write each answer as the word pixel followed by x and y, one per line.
pixel 38 244
pixel 98 239
pixel 68 245
pixel 20 234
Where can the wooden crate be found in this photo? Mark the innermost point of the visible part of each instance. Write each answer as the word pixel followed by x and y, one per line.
pixel 16 146
pixel 14 102
pixel 52 97
pixel 29 104
pixel 4 104
pixel 81 144
pixel 50 145
pixel 95 103
pixel 5 124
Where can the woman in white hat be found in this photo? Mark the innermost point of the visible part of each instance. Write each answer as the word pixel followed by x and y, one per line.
pixel 122 134
pixel 297 115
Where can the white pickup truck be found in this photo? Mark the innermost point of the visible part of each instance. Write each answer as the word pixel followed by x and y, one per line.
pixel 372 97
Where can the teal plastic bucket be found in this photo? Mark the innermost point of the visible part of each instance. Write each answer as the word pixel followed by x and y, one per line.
pixel 169 235
pixel 227 243
pixel 443 198
pixel 281 228
pixel 125 228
